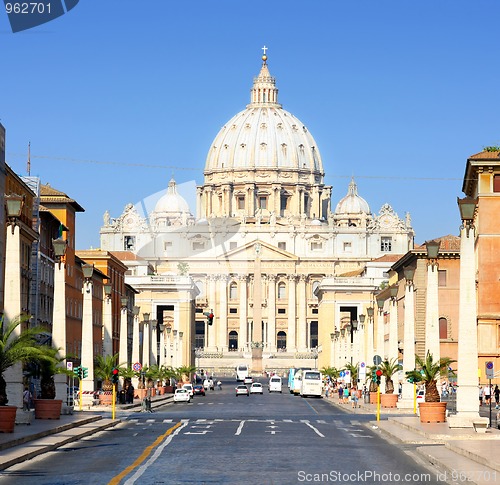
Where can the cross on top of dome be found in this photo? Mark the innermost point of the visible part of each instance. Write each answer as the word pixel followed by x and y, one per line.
pixel 264 91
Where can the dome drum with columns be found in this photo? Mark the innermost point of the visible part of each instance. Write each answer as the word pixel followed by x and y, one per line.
pixel 266 250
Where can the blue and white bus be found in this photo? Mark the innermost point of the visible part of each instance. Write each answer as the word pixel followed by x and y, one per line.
pixel 241 372
pixel 293 383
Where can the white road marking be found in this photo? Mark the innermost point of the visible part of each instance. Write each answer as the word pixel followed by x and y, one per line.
pixel 167 420
pixel 240 427
pixel 207 426
pixel 360 435
pixel 201 432
pixel 150 420
pixel 321 421
pixel 288 420
pixel 273 432
pixel 312 427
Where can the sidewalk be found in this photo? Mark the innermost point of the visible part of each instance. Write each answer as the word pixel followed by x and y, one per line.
pixel 456 454
pixel 42 436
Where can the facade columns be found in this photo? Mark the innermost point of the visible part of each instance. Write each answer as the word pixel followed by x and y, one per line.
pixel 222 337
pixel 59 325
pixel 302 330
pixel 392 351
pixel 135 341
pixel 379 332
pixel 146 340
pixel 161 358
pixel 87 356
pixel 370 350
pixel 154 343
pixel 122 351
pixel 291 342
pixel 243 335
pixel 271 312
pixel 212 299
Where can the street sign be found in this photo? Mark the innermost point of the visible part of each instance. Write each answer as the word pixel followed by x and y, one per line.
pixel 69 366
pixel 341 373
pixel 347 377
pixel 137 367
pixel 490 370
pixel 362 372
pixel 377 360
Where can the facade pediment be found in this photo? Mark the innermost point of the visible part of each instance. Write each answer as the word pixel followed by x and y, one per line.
pixel 265 251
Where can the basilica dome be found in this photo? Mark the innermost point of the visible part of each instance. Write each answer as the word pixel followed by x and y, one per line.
pixel 352 203
pixel 264 136
pixel 172 202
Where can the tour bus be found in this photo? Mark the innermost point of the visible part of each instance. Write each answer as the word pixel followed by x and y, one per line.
pixel 312 383
pixel 293 385
pixel 241 372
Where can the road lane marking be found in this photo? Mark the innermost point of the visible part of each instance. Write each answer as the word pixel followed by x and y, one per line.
pixel 200 432
pixel 273 432
pixel 147 451
pixel 240 427
pixel 312 407
pixel 312 427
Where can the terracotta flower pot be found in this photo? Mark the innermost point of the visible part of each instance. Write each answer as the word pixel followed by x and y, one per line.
pixel 140 393
pixel 48 408
pixel 432 412
pixel 373 397
pixel 169 389
pixel 7 419
pixel 106 398
pixel 388 400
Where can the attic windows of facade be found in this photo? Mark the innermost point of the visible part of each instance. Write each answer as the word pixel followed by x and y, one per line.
pixel 281 291
pixel 284 201
pixel 282 245
pixel 128 243
pixel 262 202
pixel 385 244
pixel 347 247
pixel 316 246
pixel 167 245
pixel 241 202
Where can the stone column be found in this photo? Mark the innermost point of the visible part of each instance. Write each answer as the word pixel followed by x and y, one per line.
pixel 379 332
pixel 154 343
pixel 199 202
pixel 87 357
pixel 161 359
pixel 122 352
pixel 408 344
pixel 467 359
pixel 146 340
pixel 432 312
pixel 291 343
pixel 107 318
pixel 271 309
pixel 392 352
pixel 370 350
pixel 243 336
pixel 59 326
pixel 135 343
pixel 212 303
pixel 222 338
pixel 302 332
pixel 12 310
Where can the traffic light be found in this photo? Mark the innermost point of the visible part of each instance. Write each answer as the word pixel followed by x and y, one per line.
pixel 379 375
pixel 85 372
pixel 374 375
pixel 210 317
pixel 114 375
pixel 78 372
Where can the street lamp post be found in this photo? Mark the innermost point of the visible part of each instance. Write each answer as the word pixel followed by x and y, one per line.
pixel 467 359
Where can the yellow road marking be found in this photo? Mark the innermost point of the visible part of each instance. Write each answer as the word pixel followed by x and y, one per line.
pixel 147 451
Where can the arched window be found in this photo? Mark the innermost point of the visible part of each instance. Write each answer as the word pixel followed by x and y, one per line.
pixel 443 328
pixel 233 341
pixel 281 340
pixel 281 290
pixel 233 291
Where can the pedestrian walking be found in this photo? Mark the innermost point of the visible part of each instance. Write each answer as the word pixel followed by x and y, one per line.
pixel 487 395
pixel 341 394
pixel 496 392
pixel 354 397
pixel 346 395
pixel 26 399
pixel 480 395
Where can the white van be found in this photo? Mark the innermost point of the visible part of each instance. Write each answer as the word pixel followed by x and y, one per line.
pixel 275 384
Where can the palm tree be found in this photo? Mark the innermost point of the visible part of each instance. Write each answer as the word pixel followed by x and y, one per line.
pixel 48 369
pixel 373 383
pixel 104 366
pixel 389 368
pixel 332 372
pixel 18 348
pixel 184 373
pixel 428 371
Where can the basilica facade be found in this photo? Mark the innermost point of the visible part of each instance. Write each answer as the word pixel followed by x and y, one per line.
pixel 262 250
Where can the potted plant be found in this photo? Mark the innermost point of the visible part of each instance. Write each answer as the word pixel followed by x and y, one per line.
pixel 103 370
pixel 47 406
pixel 372 387
pixel 15 349
pixel 183 374
pixel 389 368
pixel 428 370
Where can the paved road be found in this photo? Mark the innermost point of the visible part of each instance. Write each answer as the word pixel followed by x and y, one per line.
pixel 223 439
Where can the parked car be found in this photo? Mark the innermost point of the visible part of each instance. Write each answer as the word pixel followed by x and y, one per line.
pixel 248 380
pixel 256 388
pixel 182 395
pixel 242 390
pixel 199 389
pixel 421 395
pixel 189 387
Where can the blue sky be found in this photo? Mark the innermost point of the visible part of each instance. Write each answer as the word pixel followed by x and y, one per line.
pixel 397 94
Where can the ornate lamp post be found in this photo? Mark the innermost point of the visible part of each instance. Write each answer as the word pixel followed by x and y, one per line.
pixel 87 354
pixel 467 360
pixel 432 303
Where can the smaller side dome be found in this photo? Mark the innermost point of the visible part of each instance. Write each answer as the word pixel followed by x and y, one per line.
pixel 172 202
pixel 352 203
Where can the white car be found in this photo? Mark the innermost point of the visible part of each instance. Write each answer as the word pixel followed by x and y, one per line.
pixel 256 388
pixel 247 380
pixel 182 395
pixel 190 389
pixel 421 396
